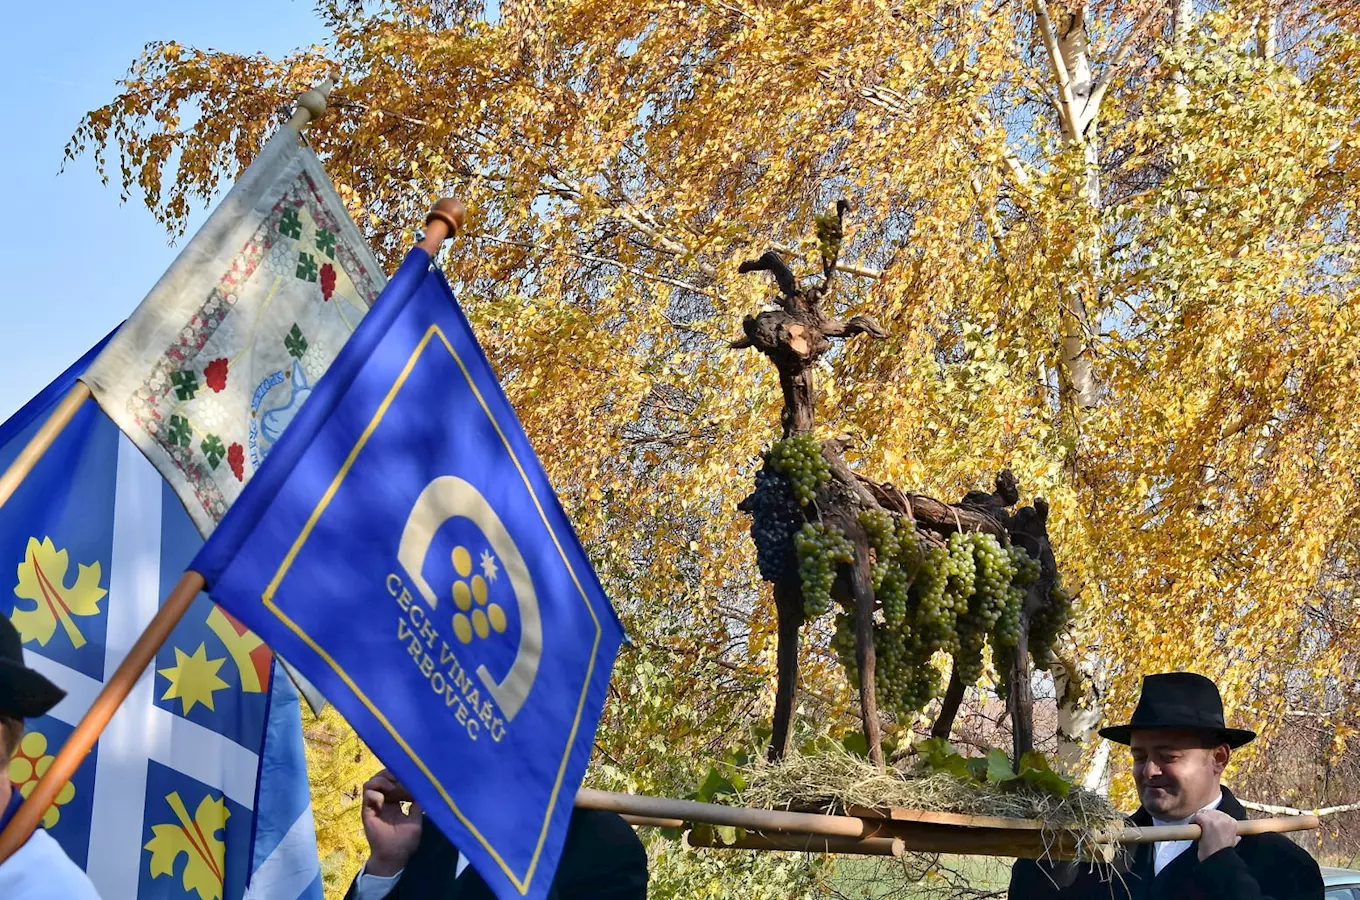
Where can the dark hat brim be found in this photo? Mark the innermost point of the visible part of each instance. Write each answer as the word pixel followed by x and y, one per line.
pixel 24 693
pixel 1233 737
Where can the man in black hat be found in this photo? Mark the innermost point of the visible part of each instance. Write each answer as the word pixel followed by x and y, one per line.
pixel 40 869
pixel 1180 747
pixel 409 858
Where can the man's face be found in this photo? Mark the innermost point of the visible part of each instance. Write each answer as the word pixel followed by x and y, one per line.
pixel 1177 771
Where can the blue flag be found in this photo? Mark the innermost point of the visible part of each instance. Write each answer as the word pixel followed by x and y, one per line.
pixel 402 547
pixel 197 790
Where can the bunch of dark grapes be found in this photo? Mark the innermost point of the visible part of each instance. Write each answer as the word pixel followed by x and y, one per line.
pixel 799 459
pixel 775 518
pixel 820 549
pixel 1048 623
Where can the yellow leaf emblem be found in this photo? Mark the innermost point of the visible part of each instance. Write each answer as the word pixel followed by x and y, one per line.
pixel 42 579
pixel 197 839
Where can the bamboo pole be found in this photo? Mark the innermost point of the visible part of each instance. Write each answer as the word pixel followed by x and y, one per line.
pixel 741 817
pixel 310 106
pixel 1156 833
pixel 651 822
pixel 42 441
pixel 799 843
pixel 115 691
pixel 931 831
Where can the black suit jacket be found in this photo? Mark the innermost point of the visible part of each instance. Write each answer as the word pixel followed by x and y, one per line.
pixel 601 859
pixel 1261 867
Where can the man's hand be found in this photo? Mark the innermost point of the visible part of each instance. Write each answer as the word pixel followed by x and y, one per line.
pixel 392 834
pixel 1219 832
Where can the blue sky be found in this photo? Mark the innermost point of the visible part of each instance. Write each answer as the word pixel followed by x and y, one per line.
pixel 78 260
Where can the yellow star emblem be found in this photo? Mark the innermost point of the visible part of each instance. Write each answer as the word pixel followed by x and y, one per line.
pixel 193 679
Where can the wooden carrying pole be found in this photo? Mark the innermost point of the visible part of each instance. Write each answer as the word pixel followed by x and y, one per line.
pixel 798 843
pixel 446 218
pixel 310 106
pixel 923 831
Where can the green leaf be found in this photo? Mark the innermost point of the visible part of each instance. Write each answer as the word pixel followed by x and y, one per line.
pixel 999 768
pixel 856 744
pixel 714 785
pixel 726 833
pixel 1047 780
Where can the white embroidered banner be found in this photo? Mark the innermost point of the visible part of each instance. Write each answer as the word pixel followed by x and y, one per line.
pixel 216 361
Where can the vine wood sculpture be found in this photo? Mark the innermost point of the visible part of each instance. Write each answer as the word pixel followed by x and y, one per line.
pixel 821 528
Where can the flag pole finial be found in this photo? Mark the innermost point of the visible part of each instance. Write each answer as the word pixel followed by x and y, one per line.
pixel 312 104
pixel 444 221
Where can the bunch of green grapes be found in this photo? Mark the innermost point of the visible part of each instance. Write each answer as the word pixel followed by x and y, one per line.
pixel 843 643
pixel 1048 623
pixel 799 459
pixel 935 613
pixel 968 658
pixel 962 573
pixel 1006 632
pixel 992 581
pixel 881 528
pixel 1026 566
pixel 1002 669
pixel 820 549
pixel 891 592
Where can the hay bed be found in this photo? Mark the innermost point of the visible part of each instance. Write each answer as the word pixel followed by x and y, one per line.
pixel 833 781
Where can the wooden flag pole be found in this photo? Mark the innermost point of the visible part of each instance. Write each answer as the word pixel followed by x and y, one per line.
pixel 310 106
pixel 445 219
pixel 115 691
pixel 40 443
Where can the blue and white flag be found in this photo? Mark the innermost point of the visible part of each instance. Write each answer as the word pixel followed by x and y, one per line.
pixel 402 547
pixel 199 779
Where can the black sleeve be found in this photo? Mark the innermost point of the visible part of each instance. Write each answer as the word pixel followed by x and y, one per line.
pixel 429 868
pixel 1281 870
pixel 1035 880
pixel 602 860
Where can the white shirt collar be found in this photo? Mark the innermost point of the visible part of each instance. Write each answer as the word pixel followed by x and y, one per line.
pixel 1186 821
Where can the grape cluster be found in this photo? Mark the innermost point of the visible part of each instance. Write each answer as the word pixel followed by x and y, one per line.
pixel 1048 623
pixel 820 548
pixel 904 680
pixel 799 458
pixel 1026 566
pixel 992 580
pixel 881 528
pixel 775 518
pixel 965 597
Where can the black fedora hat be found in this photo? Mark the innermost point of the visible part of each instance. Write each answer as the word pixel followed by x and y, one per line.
pixel 1179 700
pixel 24 693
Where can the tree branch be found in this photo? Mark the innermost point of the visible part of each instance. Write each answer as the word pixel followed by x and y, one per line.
pixel 1103 82
pixel 1066 102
